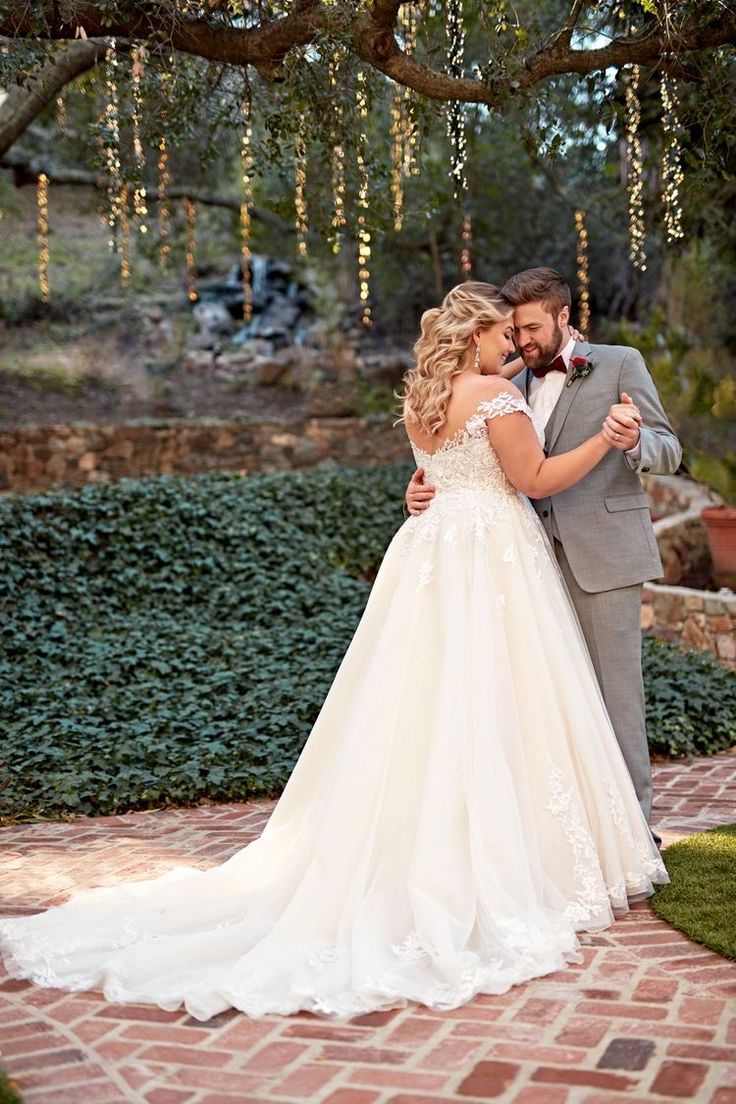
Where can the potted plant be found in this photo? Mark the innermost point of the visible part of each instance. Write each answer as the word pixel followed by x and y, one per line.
pixel 720 519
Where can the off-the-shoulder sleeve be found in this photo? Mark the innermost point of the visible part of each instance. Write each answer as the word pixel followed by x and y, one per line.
pixel 503 403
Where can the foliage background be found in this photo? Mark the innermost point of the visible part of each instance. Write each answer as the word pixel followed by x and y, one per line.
pixel 171 640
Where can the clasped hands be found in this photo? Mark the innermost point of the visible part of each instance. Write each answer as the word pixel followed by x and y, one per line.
pixel 622 424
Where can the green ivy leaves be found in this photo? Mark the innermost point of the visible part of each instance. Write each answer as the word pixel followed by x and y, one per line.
pixel 168 641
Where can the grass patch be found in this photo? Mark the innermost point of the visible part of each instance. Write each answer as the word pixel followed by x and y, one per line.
pixel 8 1091
pixel 701 899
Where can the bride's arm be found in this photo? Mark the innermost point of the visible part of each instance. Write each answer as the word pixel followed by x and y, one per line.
pixel 522 459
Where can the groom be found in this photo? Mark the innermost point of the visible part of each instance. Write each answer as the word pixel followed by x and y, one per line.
pixel 600 528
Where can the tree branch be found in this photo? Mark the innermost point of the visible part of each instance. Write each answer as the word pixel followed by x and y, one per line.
pixel 26 170
pixel 266 46
pixel 23 104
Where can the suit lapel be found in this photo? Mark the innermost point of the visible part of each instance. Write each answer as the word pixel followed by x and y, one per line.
pixel 565 401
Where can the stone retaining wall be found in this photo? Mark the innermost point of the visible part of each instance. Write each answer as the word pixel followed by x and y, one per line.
pixel 39 457
pixel 700 619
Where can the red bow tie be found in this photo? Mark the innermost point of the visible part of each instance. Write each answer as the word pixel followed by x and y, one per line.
pixel 557 365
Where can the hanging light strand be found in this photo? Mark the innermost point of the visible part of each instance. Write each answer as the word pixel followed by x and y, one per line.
pixel 246 203
pixel 403 124
pixel 300 186
pixel 409 25
pixel 42 201
pixel 61 113
pixel 111 142
pixel 140 210
pixel 398 146
pixel 672 174
pixel 582 267
pixel 466 253
pixel 337 159
pixel 190 209
pixel 635 172
pixel 164 212
pixel 364 237
pixel 125 263
pixel 455 115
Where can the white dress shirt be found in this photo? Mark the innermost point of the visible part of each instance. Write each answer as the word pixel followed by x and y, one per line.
pixel 545 391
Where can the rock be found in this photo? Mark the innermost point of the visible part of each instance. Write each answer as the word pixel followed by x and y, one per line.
pixel 386 368
pixel 213 318
pixel 194 361
pixel 646 618
pixel 202 341
pixel 694 635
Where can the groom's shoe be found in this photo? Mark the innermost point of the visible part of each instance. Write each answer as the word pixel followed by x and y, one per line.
pixel 657 839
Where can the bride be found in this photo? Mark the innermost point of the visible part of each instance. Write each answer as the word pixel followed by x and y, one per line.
pixel 461 808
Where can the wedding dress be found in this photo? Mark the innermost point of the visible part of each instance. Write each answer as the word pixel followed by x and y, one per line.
pixel 460 810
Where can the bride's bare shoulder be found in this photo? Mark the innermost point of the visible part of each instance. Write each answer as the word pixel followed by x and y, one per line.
pixel 488 388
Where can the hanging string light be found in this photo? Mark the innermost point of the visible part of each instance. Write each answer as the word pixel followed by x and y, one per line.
pixel 190 209
pixel 300 186
pixel 409 26
pixel 404 131
pixel 635 172
pixel 583 277
pixel 111 142
pixel 337 160
pixel 140 210
pixel 672 174
pixel 398 143
pixel 455 116
pixel 364 237
pixel 246 161
pixel 466 253
pixel 164 212
pixel 125 265
pixel 61 116
pixel 42 201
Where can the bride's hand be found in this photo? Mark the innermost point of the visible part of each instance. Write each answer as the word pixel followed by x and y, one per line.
pixel 577 335
pixel 622 423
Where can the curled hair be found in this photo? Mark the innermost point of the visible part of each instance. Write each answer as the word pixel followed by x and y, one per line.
pixel 444 350
pixel 543 285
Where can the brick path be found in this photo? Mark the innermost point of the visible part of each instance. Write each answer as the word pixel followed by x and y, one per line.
pixel 649 1016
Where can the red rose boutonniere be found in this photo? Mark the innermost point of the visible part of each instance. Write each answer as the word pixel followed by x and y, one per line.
pixel 581 367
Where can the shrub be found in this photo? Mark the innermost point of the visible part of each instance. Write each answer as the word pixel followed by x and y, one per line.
pixel 171 640
pixel 8 1092
pixel 691 701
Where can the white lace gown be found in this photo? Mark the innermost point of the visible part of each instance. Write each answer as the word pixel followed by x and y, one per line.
pixel 460 810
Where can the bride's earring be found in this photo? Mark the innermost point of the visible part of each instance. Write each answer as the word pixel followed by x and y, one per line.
pixel 476 357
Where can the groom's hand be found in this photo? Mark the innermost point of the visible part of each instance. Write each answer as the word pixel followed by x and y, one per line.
pixel 621 426
pixel 418 494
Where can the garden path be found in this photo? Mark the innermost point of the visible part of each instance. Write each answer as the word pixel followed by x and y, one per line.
pixel 647 1016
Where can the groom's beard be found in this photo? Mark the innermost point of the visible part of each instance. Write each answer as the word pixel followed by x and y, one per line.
pixel 536 355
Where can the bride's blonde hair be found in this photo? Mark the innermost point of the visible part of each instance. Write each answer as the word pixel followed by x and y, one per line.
pixel 445 348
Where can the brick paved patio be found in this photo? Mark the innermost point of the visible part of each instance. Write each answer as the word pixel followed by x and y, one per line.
pixel 648 1016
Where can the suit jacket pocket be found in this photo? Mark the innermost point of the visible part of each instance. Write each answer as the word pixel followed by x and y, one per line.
pixel 637 501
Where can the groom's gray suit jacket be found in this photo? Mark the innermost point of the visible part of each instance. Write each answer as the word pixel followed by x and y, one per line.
pixel 603 521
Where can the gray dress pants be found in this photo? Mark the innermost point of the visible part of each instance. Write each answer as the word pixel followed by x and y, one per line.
pixel 610 624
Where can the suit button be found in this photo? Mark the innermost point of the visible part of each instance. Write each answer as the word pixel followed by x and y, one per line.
pixel 545 513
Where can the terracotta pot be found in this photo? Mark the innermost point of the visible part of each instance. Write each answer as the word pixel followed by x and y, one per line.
pixel 720 523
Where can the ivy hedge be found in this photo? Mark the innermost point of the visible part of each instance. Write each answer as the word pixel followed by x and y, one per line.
pixel 169 640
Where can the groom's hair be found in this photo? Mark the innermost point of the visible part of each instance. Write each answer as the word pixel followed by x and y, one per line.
pixel 538 285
